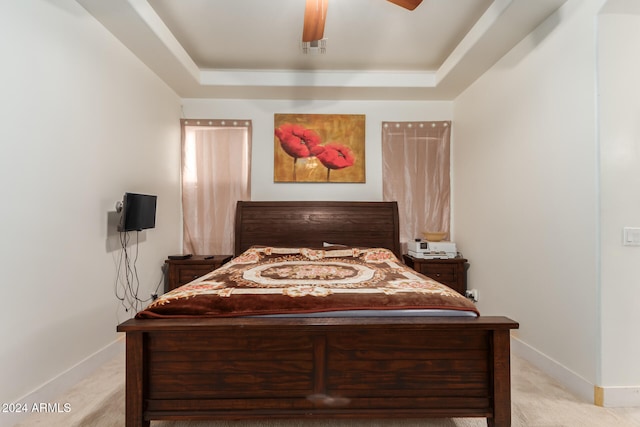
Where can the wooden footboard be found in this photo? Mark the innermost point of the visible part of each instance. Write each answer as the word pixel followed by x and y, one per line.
pixel 319 368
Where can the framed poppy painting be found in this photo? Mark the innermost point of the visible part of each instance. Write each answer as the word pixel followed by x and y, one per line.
pixel 319 148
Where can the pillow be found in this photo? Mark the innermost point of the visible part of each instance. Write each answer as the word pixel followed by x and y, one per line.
pixel 337 245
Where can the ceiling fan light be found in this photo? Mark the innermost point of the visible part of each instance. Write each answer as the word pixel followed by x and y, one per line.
pixel 314 47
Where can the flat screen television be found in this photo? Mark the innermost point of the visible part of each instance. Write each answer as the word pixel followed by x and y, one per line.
pixel 138 212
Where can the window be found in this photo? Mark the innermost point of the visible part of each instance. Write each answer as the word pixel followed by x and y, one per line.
pixel 415 173
pixel 216 173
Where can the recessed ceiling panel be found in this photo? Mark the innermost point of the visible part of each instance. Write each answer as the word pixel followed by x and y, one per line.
pixel 361 34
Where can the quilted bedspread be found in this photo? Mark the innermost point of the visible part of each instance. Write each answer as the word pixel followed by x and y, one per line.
pixel 269 280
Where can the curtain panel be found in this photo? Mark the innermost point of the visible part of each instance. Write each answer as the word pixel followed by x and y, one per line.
pixel 416 174
pixel 216 173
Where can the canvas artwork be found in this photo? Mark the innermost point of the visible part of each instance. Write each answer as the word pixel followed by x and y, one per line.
pixel 320 148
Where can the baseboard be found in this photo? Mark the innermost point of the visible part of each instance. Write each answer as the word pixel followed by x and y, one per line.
pixel 569 379
pixel 610 397
pixel 52 389
pixel 617 397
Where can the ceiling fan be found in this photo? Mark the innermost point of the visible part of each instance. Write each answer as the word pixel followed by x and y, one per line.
pixel 315 14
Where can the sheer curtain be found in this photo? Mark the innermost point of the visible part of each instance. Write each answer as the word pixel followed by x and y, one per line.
pixel 216 168
pixel 415 173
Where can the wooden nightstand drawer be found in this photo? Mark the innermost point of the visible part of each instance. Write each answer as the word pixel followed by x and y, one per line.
pixel 450 271
pixel 440 272
pixel 182 271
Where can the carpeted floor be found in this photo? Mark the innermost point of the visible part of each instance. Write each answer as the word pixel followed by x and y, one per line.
pixel 537 401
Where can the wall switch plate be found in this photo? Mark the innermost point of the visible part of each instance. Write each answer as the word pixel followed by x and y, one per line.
pixel 631 236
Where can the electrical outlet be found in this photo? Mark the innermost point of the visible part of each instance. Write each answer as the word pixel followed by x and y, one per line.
pixel 472 294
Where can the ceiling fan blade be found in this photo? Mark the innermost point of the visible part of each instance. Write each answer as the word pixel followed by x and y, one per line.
pixel 315 13
pixel 407 4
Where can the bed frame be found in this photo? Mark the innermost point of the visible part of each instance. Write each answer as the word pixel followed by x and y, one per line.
pixel 376 367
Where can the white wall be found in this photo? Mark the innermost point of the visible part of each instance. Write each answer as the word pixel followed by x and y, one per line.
pixel 82 121
pixel 526 194
pixel 261 112
pixel 619 90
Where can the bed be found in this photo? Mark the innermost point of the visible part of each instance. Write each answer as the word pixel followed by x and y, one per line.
pixel 198 367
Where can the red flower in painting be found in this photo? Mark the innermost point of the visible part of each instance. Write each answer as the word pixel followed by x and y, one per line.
pixel 297 141
pixel 334 156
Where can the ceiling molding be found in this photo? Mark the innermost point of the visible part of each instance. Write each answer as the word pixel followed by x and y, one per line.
pixel 499 29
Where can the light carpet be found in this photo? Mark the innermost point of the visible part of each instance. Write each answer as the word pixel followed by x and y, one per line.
pixel 537 401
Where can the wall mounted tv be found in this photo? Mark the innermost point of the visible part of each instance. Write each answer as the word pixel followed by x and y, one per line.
pixel 138 212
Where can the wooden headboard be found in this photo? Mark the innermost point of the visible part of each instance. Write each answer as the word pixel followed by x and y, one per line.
pixel 310 224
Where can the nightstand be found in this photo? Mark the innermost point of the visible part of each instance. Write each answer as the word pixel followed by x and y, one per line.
pixel 181 271
pixel 449 271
